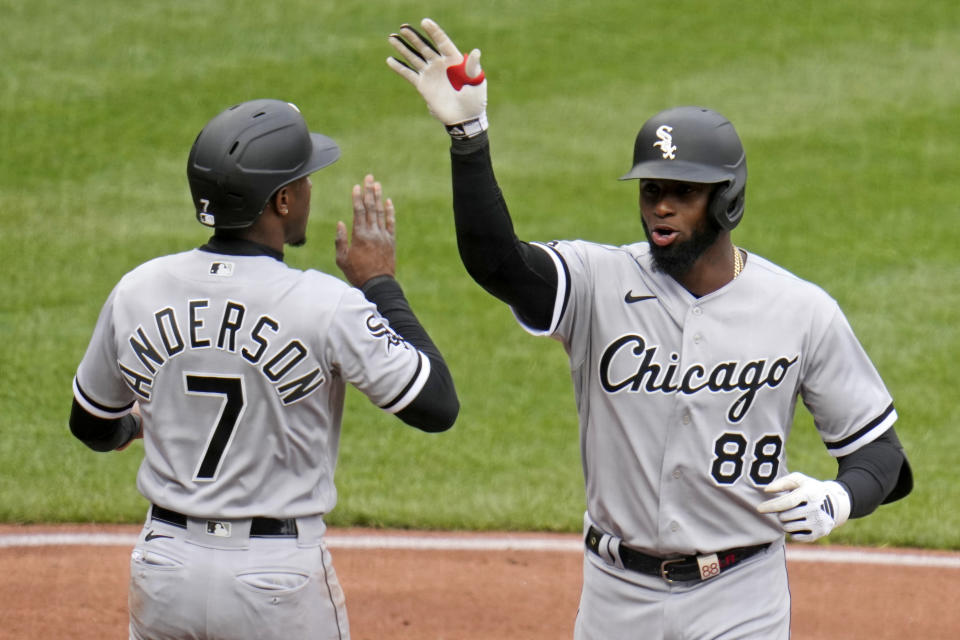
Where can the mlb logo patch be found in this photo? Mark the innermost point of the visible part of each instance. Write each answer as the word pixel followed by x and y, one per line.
pixel 224 269
pixel 219 529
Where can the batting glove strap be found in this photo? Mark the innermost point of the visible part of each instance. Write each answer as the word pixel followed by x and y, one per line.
pixel 811 509
pixel 453 85
pixel 469 129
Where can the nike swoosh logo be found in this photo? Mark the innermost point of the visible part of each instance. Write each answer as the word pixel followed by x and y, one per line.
pixel 630 298
pixel 153 536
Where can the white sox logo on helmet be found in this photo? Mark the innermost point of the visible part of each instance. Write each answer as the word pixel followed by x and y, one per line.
pixel 665 142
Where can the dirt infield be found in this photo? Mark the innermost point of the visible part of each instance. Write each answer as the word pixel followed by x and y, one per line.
pixel 79 591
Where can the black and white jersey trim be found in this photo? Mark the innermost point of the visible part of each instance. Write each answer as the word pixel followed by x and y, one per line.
pixel 868 433
pixel 413 388
pixel 563 291
pixel 95 408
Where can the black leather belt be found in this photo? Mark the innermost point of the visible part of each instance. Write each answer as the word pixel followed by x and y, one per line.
pixel 679 569
pixel 259 527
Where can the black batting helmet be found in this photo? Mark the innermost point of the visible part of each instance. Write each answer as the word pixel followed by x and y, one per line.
pixel 245 154
pixel 694 144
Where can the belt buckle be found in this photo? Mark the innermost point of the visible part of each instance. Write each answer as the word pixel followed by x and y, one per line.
pixel 664 568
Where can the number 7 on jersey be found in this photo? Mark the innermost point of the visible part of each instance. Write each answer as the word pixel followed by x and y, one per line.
pixel 231 410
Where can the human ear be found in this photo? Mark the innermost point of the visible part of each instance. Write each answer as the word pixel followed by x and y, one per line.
pixel 281 201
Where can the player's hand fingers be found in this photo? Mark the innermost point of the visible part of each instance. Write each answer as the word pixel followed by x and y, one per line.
pixel 379 207
pixel 441 39
pixel 803 535
pixel 440 76
pixel 795 514
pixel 410 56
pixel 796 526
pixel 422 45
pixel 341 243
pixel 359 211
pixel 473 64
pixel 786 483
pixel 375 207
pixel 371 190
pixel 390 218
pixel 404 71
pixel 803 530
pixel 781 503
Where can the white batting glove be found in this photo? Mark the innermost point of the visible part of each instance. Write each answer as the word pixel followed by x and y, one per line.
pixel 811 510
pixel 454 87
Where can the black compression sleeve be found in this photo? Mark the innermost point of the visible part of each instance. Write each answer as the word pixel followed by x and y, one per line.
pixel 875 474
pixel 521 275
pixel 102 434
pixel 387 294
pixel 436 406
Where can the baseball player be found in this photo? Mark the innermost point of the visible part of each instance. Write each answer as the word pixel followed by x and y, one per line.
pixel 687 355
pixel 232 367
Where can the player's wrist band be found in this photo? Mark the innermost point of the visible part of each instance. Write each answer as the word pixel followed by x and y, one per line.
pixel 678 569
pixel 468 129
pixel 373 283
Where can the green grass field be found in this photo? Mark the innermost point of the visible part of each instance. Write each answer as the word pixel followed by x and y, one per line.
pixel 848 112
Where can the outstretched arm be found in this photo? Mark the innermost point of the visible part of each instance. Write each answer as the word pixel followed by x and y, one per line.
pixel 517 273
pixel 455 90
pixel 368 261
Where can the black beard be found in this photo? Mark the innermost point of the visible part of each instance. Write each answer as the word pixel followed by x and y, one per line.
pixel 677 258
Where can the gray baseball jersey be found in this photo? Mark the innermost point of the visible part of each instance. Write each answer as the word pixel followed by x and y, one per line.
pixel 236 360
pixel 685 403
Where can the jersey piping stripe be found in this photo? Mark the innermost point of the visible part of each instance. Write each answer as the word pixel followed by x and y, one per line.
pixel 333 601
pixel 94 407
pixel 566 286
pixel 873 429
pixel 413 387
pixel 563 292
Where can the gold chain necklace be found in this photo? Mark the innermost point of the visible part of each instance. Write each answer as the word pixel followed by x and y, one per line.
pixel 737 262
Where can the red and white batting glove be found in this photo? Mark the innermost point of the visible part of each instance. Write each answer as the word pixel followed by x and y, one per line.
pixel 453 85
pixel 811 510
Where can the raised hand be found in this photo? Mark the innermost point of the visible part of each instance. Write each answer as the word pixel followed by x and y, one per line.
pixel 371 251
pixel 453 85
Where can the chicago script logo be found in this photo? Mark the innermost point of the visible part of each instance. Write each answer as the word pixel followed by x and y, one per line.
pixel 628 364
pixel 665 142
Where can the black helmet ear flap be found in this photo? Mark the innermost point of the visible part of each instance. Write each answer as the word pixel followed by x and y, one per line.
pixel 726 205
